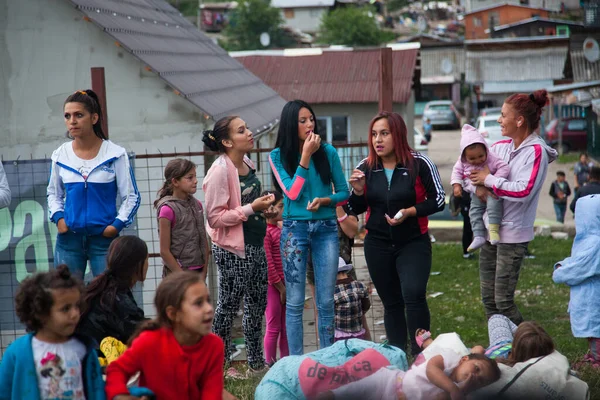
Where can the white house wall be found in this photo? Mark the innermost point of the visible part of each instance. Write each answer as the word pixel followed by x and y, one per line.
pixel 46 52
pixel 306 19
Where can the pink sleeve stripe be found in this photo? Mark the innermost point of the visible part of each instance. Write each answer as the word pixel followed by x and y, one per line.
pixel 294 191
pixel 534 173
pixel 502 142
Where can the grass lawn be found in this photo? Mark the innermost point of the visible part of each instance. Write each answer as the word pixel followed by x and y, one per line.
pixel 459 309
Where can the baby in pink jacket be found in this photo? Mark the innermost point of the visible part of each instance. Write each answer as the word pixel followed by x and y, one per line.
pixel 475 155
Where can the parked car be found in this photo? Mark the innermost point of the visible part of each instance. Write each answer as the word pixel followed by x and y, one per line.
pixel 574 133
pixel 442 113
pixel 489 129
pixel 421 144
pixel 484 112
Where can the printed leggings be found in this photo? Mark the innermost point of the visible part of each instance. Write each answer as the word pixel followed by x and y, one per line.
pixel 242 278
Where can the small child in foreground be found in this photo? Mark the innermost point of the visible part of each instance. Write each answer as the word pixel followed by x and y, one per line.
pixel 50 362
pixel 446 375
pixel 177 354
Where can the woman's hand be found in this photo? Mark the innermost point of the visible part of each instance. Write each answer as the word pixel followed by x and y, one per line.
pixel 314 205
pixel 311 144
pixel 482 192
pixel 110 232
pixel 406 212
pixel 262 203
pixel 62 227
pixel 478 177
pixel 357 181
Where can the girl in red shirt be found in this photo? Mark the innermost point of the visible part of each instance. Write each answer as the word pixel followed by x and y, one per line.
pixel 177 355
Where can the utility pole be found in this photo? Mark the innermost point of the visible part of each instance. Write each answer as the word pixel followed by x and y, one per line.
pixel 386 80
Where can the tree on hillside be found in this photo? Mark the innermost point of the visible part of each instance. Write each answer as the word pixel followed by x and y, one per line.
pixel 352 26
pixel 394 5
pixel 250 19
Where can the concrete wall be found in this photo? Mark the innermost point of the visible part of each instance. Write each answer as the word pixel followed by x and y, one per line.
pixel 307 19
pixel 46 52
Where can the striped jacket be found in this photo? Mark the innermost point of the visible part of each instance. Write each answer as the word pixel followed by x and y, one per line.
pixel 87 199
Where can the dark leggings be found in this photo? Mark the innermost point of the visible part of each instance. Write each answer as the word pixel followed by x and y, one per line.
pixel 467 233
pixel 400 273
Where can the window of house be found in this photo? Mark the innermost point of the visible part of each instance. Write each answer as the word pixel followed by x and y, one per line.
pixel 314 13
pixel 493 19
pixel 288 13
pixel 334 129
pixel 477 21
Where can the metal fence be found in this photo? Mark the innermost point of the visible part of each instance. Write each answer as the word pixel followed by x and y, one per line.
pixel 27 237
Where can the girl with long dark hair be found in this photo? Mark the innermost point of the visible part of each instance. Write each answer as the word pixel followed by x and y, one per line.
pixel 400 188
pixel 108 306
pixel 305 169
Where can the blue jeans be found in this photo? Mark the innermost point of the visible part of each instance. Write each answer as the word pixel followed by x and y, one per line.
pixel 560 210
pixel 321 237
pixel 75 249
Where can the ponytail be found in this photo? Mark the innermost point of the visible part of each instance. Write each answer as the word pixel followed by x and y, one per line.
pixel 90 101
pixel 149 325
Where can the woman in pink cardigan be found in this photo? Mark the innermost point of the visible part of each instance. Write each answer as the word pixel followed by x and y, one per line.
pixel 237 229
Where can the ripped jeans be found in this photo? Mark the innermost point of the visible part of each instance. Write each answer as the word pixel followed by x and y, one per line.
pixel 321 236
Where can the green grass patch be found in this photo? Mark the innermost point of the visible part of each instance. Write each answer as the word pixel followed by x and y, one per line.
pixel 568 158
pixel 460 310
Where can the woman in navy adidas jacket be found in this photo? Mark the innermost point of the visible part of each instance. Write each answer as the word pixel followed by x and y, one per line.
pixel 399 188
pixel 87 174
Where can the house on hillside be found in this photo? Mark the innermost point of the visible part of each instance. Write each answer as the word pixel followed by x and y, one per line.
pixel 537 26
pixel 553 5
pixel 341 84
pixel 442 68
pixel 480 23
pixel 499 67
pixel 304 15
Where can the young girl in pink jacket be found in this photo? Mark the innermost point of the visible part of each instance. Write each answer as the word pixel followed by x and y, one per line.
pixel 237 229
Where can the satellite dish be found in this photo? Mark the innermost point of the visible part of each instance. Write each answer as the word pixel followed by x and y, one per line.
pixel 591 50
pixel 446 66
pixel 265 39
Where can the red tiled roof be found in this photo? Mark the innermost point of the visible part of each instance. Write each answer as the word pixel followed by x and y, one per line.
pixel 334 76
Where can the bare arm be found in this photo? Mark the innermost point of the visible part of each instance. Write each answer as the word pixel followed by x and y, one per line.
pixel 435 374
pixel 349 225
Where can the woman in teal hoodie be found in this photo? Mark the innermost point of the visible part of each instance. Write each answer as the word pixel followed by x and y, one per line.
pixel 305 170
pixel 50 362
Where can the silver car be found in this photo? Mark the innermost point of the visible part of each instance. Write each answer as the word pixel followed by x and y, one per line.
pixel 442 113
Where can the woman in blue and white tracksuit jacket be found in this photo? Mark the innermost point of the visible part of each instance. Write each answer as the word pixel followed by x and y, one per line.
pixel 87 173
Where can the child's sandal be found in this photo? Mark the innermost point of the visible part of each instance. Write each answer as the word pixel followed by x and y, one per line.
pixel 422 337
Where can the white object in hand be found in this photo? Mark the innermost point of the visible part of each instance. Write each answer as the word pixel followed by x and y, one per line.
pixel 398 215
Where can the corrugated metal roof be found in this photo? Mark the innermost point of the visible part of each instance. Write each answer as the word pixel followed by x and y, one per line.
pixel 537 19
pixel 515 86
pixel 301 3
pixel 433 61
pixel 334 76
pixel 488 8
pixel 159 36
pixel 515 65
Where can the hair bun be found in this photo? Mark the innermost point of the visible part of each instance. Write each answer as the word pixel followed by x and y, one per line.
pixel 209 140
pixel 540 98
pixel 63 271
